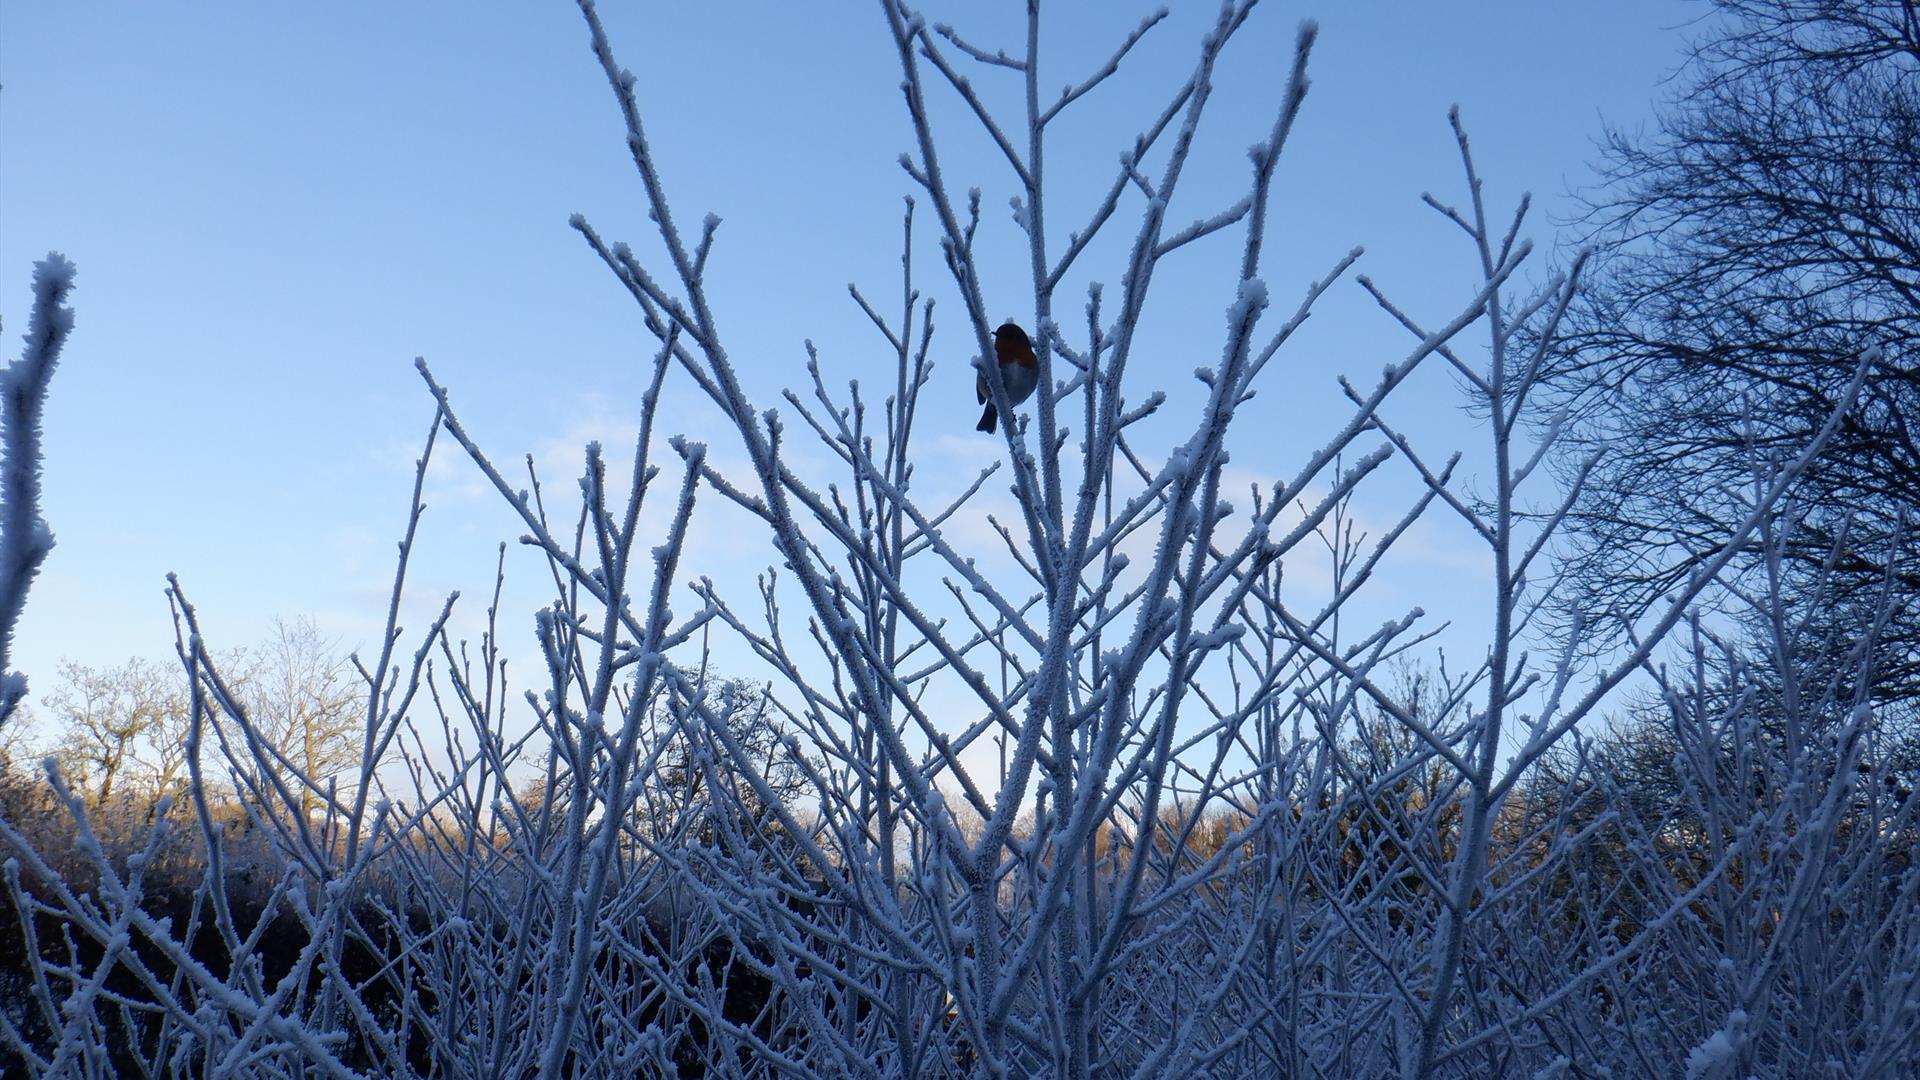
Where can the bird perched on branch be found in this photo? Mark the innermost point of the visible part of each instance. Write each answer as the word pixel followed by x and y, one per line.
pixel 1019 371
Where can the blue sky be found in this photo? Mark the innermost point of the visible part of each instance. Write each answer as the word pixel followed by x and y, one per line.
pixel 274 208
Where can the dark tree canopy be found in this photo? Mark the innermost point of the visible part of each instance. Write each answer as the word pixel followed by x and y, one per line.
pixel 1751 247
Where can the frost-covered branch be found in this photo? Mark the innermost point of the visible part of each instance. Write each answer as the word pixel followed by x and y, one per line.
pixel 25 538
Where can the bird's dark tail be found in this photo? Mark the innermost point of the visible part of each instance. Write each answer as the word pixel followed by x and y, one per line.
pixel 988 419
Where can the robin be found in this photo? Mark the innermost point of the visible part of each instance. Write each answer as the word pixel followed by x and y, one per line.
pixel 1018 371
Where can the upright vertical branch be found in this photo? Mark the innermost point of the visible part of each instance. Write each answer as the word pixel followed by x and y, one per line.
pixel 25 538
